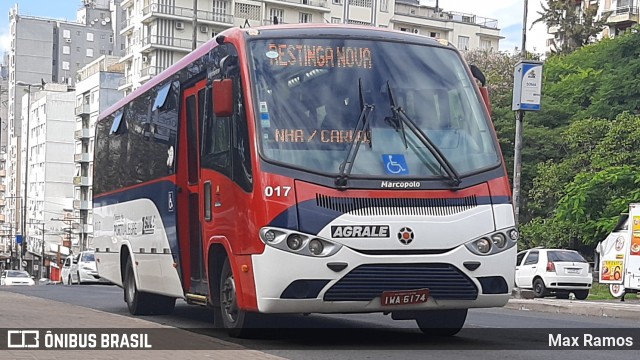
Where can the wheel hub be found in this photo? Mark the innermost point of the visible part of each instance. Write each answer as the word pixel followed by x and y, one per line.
pixel 228 300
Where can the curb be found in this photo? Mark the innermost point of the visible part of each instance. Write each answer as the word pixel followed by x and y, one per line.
pixel 577 307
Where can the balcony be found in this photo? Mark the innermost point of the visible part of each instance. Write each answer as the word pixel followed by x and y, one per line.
pixel 81 204
pixel 214 18
pixel 149 72
pixel 125 83
pixel 3 173
pixel 82 134
pixel 126 3
pixel 315 4
pixel 127 26
pixel 83 109
pixel 166 43
pixel 84 157
pixel 81 181
pixel 2 203
pixel 3 188
pixel 2 218
pixel 167 11
pixel 622 15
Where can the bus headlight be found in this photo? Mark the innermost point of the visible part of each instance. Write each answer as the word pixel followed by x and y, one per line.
pixel 499 240
pixel 298 243
pixel 316 247
pixel 483 245
pixel 294 241
pixel 493 243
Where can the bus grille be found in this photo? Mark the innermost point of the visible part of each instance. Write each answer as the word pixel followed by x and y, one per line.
pixel 366 282
pixel 397 206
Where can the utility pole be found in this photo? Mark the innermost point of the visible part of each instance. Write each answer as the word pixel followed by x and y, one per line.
pixel 517 156
pixel 194 44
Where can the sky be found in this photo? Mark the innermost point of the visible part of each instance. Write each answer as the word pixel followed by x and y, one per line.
pixel 509 14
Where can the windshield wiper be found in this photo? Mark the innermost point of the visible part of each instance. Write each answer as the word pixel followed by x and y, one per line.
pixel 401 118
pixel 354 146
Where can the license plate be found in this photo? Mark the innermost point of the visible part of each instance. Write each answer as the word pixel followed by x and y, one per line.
pixel 573 271
pixel 389 298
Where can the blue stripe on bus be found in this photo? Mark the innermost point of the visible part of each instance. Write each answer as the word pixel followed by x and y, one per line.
pixel 159 193
pixel 310 218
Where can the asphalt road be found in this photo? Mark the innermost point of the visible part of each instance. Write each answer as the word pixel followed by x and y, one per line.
pixel 368 336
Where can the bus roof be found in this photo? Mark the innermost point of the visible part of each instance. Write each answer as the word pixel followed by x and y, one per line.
pixel 283 30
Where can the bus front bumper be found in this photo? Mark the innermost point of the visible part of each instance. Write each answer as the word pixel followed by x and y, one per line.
pixel 352 282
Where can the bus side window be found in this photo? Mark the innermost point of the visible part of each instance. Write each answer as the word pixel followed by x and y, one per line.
pixel 242 170
pixel 216 139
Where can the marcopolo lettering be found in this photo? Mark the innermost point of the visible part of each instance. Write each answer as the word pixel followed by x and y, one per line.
pixel 400 184
pixel 360 231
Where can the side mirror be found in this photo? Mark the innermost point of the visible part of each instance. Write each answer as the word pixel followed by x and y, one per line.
pixel 222 97
pixel 479 75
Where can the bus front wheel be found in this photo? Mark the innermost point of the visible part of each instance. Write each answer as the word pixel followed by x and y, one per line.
pixel 139 303
pixel 236 321
pixel 441 322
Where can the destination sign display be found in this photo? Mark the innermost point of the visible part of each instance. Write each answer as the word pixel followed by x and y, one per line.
pixel 319 56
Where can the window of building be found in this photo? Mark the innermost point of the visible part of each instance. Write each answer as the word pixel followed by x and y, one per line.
pixel 485 44
pixel 411 30
pixel 66 34
pixel 78 32
pixel 276 14
pixel 65 65
pixel 102 52
pixel 220 10
pixel 463 43
pixel 305 18
pixel 77 48
pixel 89 52
pixel 434 34
pixel 103 36
pixel 361 3
pixel 111 39
pixel 89 36
pixel 384 5
pixel 66 50
pixel 336 2
pixel 248 11
pixel 335 20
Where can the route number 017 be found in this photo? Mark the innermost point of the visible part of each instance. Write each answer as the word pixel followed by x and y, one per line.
pixel 270 191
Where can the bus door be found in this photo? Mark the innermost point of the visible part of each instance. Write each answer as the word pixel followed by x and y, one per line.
pixel 189 214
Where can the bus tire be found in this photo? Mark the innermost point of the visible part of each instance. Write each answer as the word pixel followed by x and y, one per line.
pixel 237 322
pixel 441 322
pixel 139 303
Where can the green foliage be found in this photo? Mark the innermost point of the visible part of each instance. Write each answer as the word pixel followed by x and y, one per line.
pixel 575 28
pixel 581 152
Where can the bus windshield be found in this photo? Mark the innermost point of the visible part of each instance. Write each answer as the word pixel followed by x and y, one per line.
pixel 310 96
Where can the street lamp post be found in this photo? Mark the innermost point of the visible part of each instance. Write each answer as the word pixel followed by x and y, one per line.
pixel 26 170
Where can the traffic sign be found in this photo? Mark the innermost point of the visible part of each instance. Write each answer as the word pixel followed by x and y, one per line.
pixel 18 239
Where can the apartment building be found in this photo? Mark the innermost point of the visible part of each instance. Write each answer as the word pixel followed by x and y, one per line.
pixel 46 50
pixel 5 231
pixel 160 32
pixel 621 15
pixel 47 151
pixel 96 90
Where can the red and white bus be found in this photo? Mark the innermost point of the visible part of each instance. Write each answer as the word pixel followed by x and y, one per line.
pixel 307 169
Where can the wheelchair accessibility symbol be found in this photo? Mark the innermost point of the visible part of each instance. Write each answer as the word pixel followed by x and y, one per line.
pixel 395 164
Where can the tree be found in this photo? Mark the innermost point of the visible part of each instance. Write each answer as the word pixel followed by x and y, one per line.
pixel 576 25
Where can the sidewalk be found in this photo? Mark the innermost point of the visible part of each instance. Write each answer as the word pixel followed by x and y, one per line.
pixel 24 312
pixel 629 309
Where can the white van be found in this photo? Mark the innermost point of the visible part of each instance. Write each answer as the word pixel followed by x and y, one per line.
pixel 619 255
pixel 81 269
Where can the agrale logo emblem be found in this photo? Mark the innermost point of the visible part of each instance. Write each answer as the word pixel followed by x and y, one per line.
pixel 405 235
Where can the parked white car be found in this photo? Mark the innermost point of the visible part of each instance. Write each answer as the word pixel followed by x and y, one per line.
pixel 81 269
pixel 16 277
pixel 554 272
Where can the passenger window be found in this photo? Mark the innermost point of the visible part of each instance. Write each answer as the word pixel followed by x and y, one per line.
pixel 532 259
pixel 216 140
pixel 519 258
